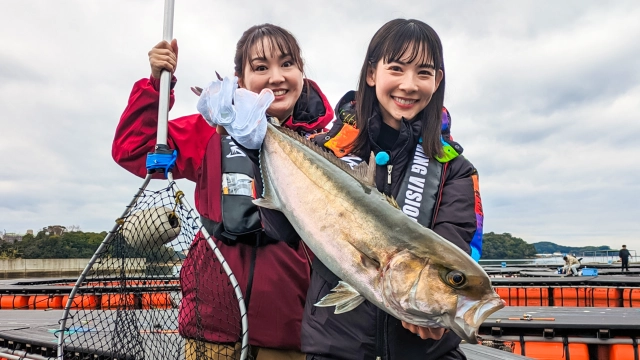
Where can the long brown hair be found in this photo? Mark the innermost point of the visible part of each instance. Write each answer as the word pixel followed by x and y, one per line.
pixel 276 38
pixel 408 40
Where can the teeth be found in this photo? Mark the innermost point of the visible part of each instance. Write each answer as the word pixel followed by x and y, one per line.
pixel 404 101
pixel 279 92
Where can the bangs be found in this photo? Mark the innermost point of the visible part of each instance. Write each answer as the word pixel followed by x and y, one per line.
pixel 411 42
pixel 278 44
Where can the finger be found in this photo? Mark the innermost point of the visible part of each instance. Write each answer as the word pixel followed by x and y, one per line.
pixel 162 52
pixel 163 45
pixel 163 61
pixel 409 327
pixel 162 65
pixel 174 46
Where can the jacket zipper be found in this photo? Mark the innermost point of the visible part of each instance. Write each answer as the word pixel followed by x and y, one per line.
pixel 387 187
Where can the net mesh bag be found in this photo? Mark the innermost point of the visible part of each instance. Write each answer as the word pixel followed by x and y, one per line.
pixel 155 289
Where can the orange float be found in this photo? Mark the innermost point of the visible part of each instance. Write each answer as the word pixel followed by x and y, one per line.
pixel 14 302
pixel 81 301
pixel 156 301
pixel 552 350
pixel 631 297
pixel 621 352
pixel 45 302
pixel 515 296
pixel 588 297
pixel 117 301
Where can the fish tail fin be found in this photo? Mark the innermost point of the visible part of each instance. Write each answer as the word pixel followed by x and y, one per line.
pixel 344 297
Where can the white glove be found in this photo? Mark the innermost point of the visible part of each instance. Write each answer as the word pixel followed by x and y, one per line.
pixel 216 102
pixel 241 112
pixel 250 125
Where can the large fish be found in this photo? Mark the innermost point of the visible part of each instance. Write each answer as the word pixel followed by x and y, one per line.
pixel 379 252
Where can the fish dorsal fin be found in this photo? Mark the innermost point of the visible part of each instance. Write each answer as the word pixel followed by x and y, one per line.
pixel 363 172
pixel 367 172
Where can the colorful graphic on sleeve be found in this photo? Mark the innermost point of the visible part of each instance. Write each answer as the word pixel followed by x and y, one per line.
pixel 450 148
pixel 476 242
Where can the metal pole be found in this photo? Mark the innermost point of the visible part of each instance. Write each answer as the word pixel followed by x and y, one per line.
pixel 165 77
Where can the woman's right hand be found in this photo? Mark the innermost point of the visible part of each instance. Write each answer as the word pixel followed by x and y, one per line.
pixel 163 56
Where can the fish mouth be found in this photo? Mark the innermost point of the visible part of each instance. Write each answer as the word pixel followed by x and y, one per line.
pixel 471 315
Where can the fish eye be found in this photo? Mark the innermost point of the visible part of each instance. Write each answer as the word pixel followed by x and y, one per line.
pixel 456 278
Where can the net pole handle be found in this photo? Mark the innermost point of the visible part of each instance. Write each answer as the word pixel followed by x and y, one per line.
pixel 165 77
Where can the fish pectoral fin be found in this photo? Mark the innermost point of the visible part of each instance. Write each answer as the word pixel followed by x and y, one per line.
pixel 265 203
pixel 344 297
pixel 349 305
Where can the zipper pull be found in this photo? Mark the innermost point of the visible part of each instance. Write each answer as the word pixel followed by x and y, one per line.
pixel 389 168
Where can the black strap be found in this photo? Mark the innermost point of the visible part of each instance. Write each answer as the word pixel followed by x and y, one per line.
pixel 217 230
pixel 380 333
pixel 252 266
pixel 635 348
pixel 565 341
pixel 522 351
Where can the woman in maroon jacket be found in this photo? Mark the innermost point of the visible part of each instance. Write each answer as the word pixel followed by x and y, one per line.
pixel 273 272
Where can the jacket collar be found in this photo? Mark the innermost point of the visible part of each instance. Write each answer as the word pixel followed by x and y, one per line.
pixel 312 111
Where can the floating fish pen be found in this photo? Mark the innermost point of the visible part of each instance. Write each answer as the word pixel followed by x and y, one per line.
pixel 574 333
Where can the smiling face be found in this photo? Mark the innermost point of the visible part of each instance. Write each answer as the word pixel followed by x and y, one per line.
pixel 267 67
pixel 403 88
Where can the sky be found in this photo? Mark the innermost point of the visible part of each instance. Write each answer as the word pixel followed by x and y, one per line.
pixel 544 98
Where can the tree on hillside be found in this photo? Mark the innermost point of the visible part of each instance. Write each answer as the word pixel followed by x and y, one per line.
pixel 506 246
pixel 66 246
pixel 546 247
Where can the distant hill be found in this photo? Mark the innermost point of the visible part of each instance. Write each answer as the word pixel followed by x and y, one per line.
pixel 546 247
pixel 506 246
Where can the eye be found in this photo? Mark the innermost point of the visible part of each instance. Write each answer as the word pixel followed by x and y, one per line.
pixel 287 64
pixel 425 73
pixel 260 68
pixel 455 278
pixel 395 68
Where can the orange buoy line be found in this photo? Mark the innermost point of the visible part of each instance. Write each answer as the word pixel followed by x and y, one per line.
pixel 87 301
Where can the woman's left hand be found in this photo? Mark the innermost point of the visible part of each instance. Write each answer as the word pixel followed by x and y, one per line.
pixel 425 332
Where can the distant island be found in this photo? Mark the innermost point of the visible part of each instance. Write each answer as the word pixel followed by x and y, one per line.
pixel 507 246
pixel 546 247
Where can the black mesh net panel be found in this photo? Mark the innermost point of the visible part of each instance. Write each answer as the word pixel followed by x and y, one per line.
pixel 156 291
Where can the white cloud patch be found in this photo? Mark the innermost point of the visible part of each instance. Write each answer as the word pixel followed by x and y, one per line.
pixel 544 99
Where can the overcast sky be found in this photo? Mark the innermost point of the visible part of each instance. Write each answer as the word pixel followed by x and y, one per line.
pixel 544 95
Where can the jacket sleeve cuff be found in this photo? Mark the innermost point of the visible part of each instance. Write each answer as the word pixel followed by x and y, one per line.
pixel 156 82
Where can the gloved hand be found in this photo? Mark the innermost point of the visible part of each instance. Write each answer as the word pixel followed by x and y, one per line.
pixel 241 112
pixel 216 102
pixel 250 125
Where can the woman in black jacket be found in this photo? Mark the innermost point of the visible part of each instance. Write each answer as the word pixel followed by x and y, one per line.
pixel 397 112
